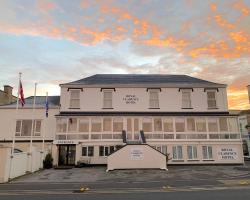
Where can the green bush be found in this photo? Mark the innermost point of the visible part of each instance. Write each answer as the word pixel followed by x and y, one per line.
pixel 48 161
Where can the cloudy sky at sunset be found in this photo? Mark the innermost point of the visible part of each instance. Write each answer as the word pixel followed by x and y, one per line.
pixel 53 42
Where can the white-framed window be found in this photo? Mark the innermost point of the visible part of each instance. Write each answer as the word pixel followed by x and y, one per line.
pixel 207 152
pixel 190 124
pixel 211 99
pixel 61 125
pixel 162 149
pixel 88 151
pixel 180 124
pixel 83 125
pixel 147 124
pixel 117 124
pixel 107 124
pixel 192 152
pixel 212 125
pixel 232 124
pixel 201 124
pixel 186 98
pixel 157 124
pixel 96 124
pixel 74 98
pixel 24 127
pixel 154 98
pixel 168 125
pixel 177 153
pixel 106 150
pixel 223 124
pixel 72 125
pixel 107 98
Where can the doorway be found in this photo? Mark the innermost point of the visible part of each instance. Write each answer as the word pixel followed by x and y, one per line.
pixel 66 154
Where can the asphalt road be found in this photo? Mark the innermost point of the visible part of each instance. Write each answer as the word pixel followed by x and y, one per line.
pixel 228 194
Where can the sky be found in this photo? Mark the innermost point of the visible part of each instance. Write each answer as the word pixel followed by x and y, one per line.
pixel 59 41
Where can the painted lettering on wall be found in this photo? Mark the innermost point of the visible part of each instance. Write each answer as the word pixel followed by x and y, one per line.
pixel 227 154
pixel 130 99
pixel 136 154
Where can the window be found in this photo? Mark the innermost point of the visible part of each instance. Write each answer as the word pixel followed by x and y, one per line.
pixel 147 124
pixel 180 124
pixel 192 152
pixel 153 99
pixel 107 99
pixel 83 125
pixel 207 153
pixel 88 151
pixel 186 99
pixel 106 150
pixel 136 125
pixel 74 98
pixel 168 125
pixel 72 125
pixel 212 125
pixel 157 124
pixel 61 125
pixel 117 124
pixel 177 153
pixel 24 127
pixel 107 124
pixel 37 128
pixel 190 124
pixel 129 125
pixel 211 99
pixel 232 123
pixel 201 125
pixel 96 125
pixel 223 124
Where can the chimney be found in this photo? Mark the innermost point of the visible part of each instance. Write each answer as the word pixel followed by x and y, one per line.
pixel 8 90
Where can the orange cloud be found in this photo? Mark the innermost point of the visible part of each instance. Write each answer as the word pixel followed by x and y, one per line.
pixel 242 8
pixel 45 6
pixel 213 7
pixel 238 99
pixel 223 23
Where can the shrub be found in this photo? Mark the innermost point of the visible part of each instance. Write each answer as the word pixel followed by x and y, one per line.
pixel 48 161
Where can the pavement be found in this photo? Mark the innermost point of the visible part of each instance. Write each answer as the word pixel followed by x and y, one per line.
pixel 96 181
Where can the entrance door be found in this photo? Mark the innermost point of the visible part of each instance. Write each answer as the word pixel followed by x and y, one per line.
pixel 67 154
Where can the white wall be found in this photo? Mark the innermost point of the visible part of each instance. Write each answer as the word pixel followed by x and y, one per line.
pixel 170 100
pixel 8 122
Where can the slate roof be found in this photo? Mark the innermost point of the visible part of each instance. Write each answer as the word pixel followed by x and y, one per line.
pixel 54 102
pixel 143 80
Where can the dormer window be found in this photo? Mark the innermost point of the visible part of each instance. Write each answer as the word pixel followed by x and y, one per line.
pixel 74 98
pixel 107 99
pixel 186 99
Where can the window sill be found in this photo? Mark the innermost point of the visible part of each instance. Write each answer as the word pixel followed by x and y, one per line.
pixel 153 108
pixel 187 108
pixel 107 108
pixel 74 108
pixel 192 160
pixel 213 108
pixel 177 160
pixel 207 160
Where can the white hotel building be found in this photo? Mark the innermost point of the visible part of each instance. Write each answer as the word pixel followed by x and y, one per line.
pixel 178 115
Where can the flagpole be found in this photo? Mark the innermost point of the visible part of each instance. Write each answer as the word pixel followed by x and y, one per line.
pixel 33 124
pixel 46 101
pixel 15 121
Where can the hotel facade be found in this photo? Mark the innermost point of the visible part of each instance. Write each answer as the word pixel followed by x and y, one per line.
pixel 180 116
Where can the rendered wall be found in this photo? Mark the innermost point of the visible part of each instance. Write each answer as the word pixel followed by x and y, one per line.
pixel 136 157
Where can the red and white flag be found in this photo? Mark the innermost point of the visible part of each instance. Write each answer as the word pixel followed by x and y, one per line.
pixel 21 93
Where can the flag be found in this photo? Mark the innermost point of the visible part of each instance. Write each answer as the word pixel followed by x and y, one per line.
pixel 22 100
pixel 47 106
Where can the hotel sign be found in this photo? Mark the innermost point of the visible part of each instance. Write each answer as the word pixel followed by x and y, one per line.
pixel 227 154
pixel 130 99
pixel 136 154
pixel 65 142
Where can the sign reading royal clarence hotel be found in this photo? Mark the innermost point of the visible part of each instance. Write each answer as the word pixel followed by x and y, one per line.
pixel 136 154
pixel 227 154
pixel 65 142
pixel 130 99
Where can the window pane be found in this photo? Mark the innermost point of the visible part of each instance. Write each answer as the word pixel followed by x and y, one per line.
pixel 204 152
pixel 96 125
pixel 101 150
pixel 164 150
pixel 74 98
pixel 211 99
pixel 180 124
pixel 26 127
pixel 154 99
pixel 195 152
pixel 75 94
pixel 157 124
pixel 107 124
pixel 190 152
pixel 107 99
pixel 190 124
pixel 201 125
pixel 210 153
pixel 84 151
pixel 174 153
pixel 168 125
pixel 61 125
pixel 232 124
pixel 212 125
pixel 129 124
pixel 136 125
pixel 90 151
pixel 117 124
pixel 38 126
pixel 84 125
pixel 186 99
pixel 147 125
pixel 18 126
pixel 72 124
pixel 223 124
pixel 179 149
pixel 106 151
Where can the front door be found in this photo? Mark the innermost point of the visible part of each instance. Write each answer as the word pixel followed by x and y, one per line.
pixel 67 154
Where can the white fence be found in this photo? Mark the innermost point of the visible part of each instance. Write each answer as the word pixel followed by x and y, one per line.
pixel 19 164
